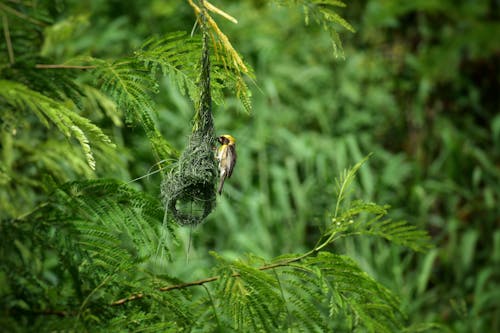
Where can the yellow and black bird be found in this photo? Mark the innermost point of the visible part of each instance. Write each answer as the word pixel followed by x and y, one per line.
pixel 226 154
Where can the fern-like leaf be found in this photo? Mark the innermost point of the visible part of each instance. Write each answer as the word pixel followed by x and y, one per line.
pixel 324 12
pixel 367 218
pixel 398 232
pixel 58 113
pixel 305 298
pixel 371 304
pixel 251 296
pixel 131 86
pixel 343 184
pixel 177 55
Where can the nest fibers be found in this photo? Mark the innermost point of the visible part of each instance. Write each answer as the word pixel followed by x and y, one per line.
pixel 188 192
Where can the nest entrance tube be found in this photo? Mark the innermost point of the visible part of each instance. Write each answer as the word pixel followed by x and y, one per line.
pixel 189 190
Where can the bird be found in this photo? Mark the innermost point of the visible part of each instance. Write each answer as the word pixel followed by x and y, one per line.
pixel 226 155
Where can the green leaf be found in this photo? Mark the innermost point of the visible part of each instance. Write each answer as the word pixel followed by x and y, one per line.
pixel 58 113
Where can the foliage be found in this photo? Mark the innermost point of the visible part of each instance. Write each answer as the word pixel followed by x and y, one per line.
pixel 95 241
pixel 16 96
pixel 116 83
pixel 418 89
pixel 324 13
pixel 88 242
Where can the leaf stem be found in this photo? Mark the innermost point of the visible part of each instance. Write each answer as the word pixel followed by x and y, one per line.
pixel 6 31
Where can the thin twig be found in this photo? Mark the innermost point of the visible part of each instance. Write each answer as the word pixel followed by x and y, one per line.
pixel 222 13
pixel 190 284
pixel 131 298
pixel 89 296
pixel 6 8
pixel 52 66
pixel 6 31
pixel 235 57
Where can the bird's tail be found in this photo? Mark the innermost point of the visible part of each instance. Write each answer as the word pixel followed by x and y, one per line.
pixel 221 184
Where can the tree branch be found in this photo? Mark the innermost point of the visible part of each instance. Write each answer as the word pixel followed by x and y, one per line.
pixel 212 279
pixel 191 284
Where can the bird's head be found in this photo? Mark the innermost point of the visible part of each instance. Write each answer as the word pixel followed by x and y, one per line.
pixel 226 139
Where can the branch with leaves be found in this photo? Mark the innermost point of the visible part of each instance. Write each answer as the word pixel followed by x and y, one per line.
pixel 290 290
pixel 290 275
pixel 84 242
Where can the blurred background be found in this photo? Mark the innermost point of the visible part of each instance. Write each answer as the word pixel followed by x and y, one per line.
pixel 418 87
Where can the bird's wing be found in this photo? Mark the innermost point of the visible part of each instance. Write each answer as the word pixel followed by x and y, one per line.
pixel 231 154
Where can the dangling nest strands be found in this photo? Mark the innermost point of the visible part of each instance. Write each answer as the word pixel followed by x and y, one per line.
pixel 188 191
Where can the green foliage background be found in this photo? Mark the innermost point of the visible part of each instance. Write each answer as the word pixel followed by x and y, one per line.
pixel 417 85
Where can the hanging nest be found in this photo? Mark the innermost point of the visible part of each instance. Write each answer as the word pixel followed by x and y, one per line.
pixel 189 190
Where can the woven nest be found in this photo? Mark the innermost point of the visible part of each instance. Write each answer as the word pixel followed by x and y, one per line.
pixel 188 191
